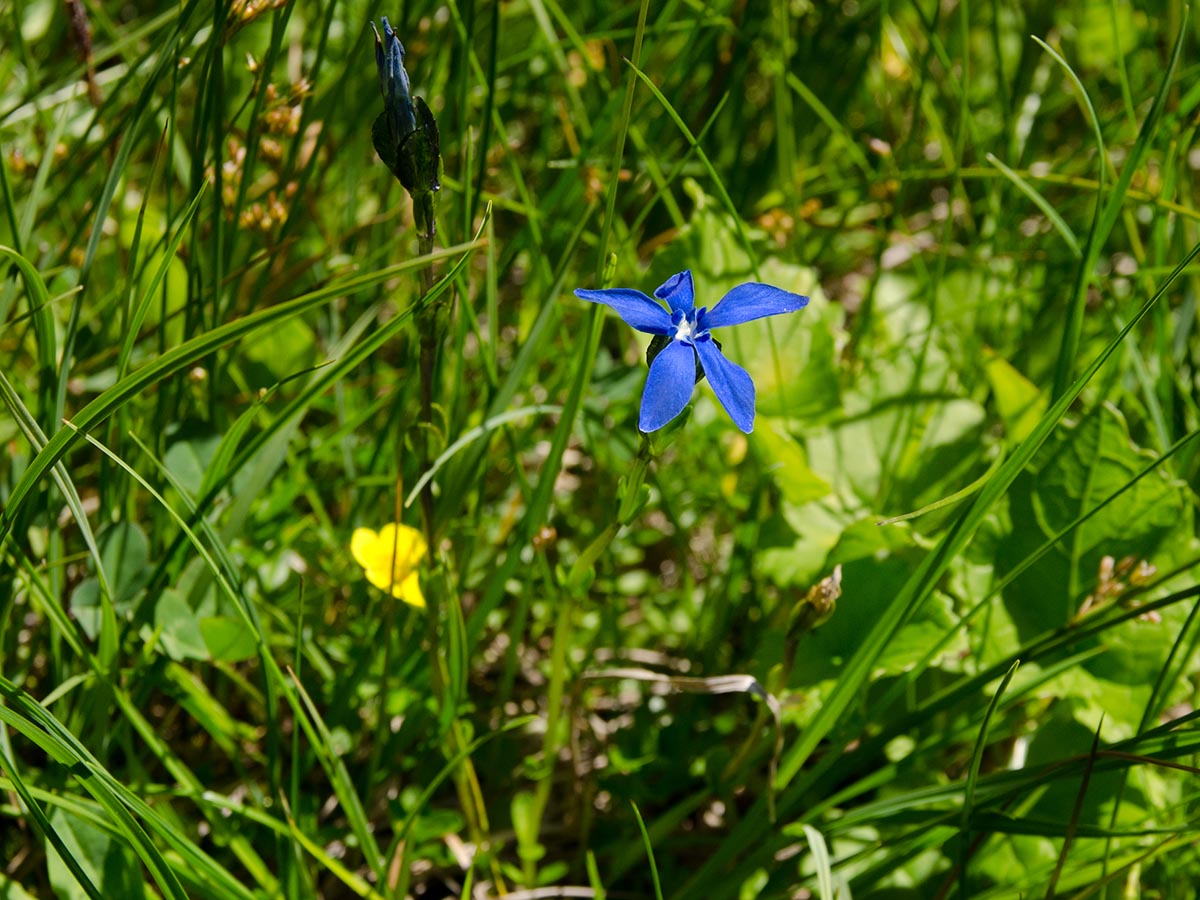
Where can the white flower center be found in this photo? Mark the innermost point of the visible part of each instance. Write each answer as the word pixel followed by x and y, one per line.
pixel 685 330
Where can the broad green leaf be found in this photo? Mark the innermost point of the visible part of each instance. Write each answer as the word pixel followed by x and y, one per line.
pixel 281 351
pixel 188 456
pixel 868 462
pixel 1089 462
pixel 10 890
pixel 792 358
pixel 228 639
pixel 795 541
pixel 906 438
pixel 178 627
pixel 1096 43
pixel 1015 858
pixel 525 818
pixel 1018 400
pixel 1063 734
pixel 869 576
pixel 1083 464
pixel 435 824
pixel 125 551
pixel 785 460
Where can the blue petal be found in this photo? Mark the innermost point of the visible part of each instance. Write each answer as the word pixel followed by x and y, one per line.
pixel 730 382
pixel 678 291
pixel 669 387
pixel 638 310
pixel 752 301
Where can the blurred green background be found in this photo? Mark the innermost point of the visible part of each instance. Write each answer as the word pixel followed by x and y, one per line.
pixel 929 631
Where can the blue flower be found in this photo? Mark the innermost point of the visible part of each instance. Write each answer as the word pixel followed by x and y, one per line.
pixel 673 372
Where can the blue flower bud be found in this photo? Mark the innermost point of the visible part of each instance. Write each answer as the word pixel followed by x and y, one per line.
pixel 405 134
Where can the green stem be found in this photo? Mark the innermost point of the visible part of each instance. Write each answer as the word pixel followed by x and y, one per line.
pixel 575 587
pixel 430 342
pixel 631 495
pixel 429 325
pixel 554 715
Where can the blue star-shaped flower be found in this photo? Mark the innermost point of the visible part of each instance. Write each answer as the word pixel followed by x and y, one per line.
pixel 673 371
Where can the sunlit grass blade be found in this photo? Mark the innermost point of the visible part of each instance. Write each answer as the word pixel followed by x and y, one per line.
pixel 649 852
pixel 343 785
pixel 187 354
pixel 43 325
pixel 717 182
pixel 1059 223
pixel 138 315
pixel 968 807
pixel 471 435
pixel 820 852
pixel 34 810
pixel 1108 207
pixel 957 497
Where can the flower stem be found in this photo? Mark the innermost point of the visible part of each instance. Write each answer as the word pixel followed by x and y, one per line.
pixel 569 594
pixel 552 743
pixel 430 322
pixel 431 338
pixel 631 496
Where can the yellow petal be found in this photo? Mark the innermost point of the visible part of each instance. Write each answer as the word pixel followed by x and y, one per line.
pixel 408 543
pixel 410 591
pixel 407 589
pixel 390 558
pixel 384 579
pixel 362 546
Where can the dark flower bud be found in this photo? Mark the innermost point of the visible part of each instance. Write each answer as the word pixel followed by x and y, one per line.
pixel 405 133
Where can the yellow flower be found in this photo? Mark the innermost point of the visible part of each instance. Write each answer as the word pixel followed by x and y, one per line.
pixel 390 557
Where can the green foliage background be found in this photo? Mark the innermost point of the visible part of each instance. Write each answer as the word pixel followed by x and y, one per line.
pixel 773 680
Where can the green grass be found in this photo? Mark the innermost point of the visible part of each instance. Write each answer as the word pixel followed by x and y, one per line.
pixel 930 631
